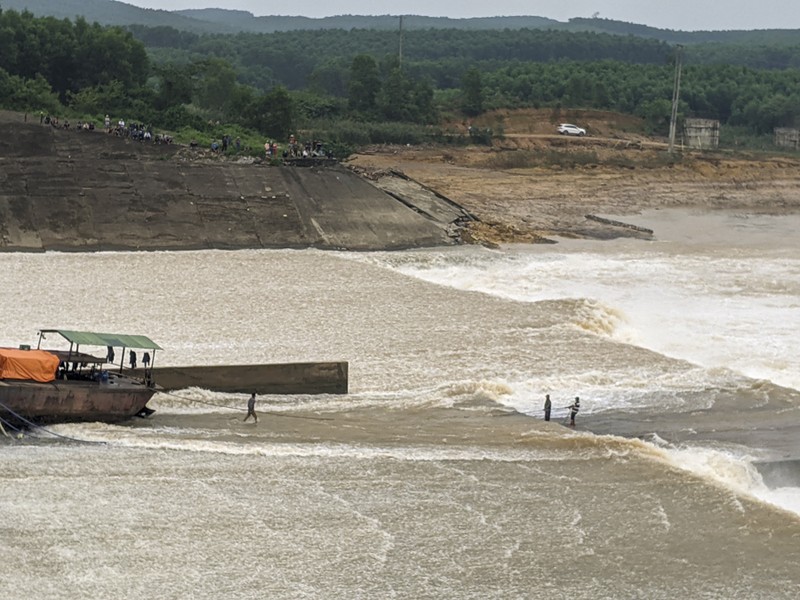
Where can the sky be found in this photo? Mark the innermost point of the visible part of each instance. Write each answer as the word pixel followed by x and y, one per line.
pixel 685 15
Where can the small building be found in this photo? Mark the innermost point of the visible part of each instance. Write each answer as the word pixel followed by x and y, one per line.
pixel 701 133
pixel 787 137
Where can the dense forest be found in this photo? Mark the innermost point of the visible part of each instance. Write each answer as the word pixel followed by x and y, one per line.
pixel 218 20
pixel 301 58
pixel 360 86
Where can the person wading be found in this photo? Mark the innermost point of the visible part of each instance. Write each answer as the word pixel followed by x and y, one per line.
pixel 573 411
pixel 251 408
pixel 547 407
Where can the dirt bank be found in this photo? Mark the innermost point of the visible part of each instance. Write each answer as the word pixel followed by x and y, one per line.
pixel 533 184
pixel 70 190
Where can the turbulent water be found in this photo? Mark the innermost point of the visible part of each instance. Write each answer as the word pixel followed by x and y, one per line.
pixel 436 477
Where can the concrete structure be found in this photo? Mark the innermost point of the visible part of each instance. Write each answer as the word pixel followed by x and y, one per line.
pixel 87 190
pixel 787 137
pixel 289 378
pixel 701 133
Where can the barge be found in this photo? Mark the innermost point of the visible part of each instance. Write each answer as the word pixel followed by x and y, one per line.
pixel 40 386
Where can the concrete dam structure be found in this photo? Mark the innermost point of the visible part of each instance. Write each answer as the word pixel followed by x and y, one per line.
pixel 69 190
pixel 287 378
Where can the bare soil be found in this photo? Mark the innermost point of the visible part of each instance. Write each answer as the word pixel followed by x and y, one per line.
pixel 69 190
pixel 532 185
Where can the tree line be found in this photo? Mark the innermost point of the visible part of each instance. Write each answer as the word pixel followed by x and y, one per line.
pixel 356 87
pixel 320 59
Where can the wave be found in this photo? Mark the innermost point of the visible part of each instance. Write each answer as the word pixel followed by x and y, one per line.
pixel 514 440
pixel 714 306
pixel 734 471
pixel 600 319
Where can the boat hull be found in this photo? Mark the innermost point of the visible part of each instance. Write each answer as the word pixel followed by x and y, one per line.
pixel 73 401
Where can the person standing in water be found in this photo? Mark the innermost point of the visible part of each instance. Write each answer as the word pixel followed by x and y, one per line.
pixel 251 408
pixel 547 407
pixel 573 411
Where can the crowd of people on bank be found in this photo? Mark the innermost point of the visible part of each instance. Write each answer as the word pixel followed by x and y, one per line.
pixel 56 123
pixel 138 132
pixel 295 149
pixel 141 132
pixel 226 144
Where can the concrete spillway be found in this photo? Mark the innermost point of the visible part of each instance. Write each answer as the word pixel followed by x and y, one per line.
pixel 88 190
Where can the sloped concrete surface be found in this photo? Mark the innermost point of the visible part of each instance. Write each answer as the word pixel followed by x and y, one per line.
pixel 87 190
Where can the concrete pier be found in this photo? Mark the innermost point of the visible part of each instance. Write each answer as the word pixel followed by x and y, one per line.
pixel 290 378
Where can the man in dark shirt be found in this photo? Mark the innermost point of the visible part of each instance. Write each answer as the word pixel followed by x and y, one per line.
pixel 547 407
pixel 251 408
pixel 573 411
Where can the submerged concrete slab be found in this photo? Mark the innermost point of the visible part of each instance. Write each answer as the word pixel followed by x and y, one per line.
pixel 289 378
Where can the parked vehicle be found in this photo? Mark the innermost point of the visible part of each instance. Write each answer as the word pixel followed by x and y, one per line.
pixel 570 129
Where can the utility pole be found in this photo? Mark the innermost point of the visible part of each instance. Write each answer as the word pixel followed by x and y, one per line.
pixel 676 92
pixel 400 53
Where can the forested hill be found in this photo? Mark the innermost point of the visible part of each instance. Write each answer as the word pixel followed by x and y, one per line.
pixel 218 20
pixel 354 87
pixel 771 37
pixel 224 21
pixel 111 12
pixel 246 22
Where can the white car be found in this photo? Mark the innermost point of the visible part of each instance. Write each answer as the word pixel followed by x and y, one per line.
pixel 569 129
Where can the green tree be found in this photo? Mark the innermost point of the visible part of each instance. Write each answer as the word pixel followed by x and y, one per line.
pixel 272 114
pixel 27 94
pixel 657 114
pixel 472 88
pixel 216 83
pixel 364 85
pixel 422 97
pixel 394 98
pixel 175 85
pixel 311 106
pixel 103 98
pixel 778 110
pixel 329 78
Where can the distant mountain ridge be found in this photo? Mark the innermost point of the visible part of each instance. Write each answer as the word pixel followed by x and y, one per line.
pixel 111 12
pixel 228 21
pixel 246 21
pixel 221 20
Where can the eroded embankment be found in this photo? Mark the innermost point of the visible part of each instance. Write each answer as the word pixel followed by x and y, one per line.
pixel 526 188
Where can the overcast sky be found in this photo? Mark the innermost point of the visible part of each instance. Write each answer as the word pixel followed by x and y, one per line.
pixel 686 15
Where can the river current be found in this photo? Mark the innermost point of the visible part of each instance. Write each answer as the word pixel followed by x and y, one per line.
pixel 435 477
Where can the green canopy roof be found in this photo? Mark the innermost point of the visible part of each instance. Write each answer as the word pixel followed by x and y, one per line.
pixel 116 340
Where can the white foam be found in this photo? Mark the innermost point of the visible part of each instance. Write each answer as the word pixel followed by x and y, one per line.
pixel 734 307
pixel 734 471
pixel 625 388
pixel 165 439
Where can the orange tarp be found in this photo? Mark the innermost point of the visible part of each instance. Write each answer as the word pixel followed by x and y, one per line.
pixel 36 365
